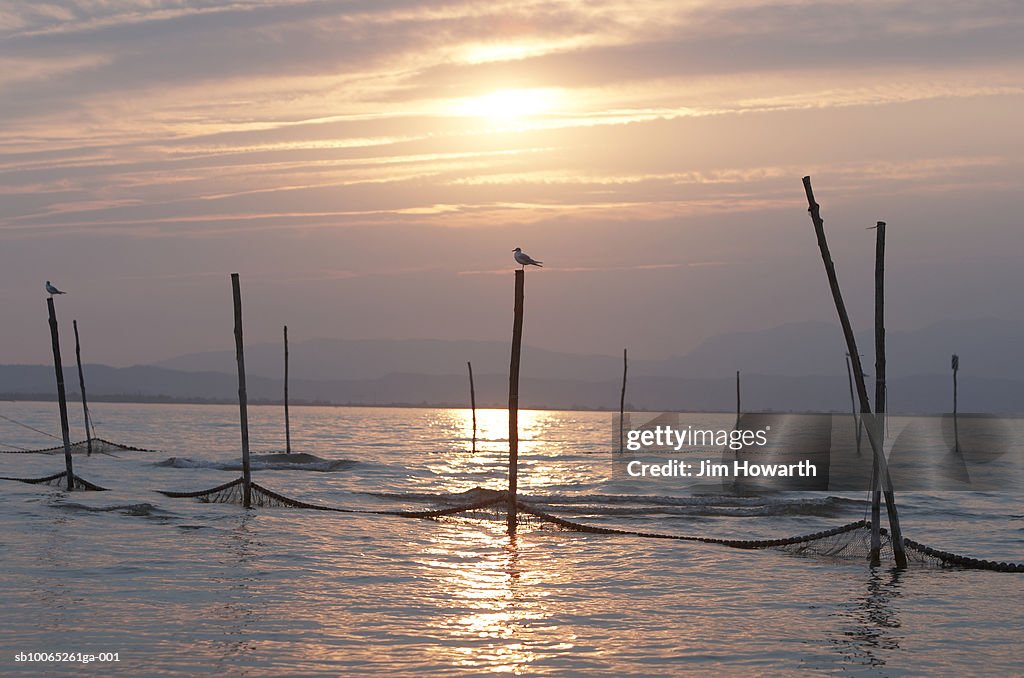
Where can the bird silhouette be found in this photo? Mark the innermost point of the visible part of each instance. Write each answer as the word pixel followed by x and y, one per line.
pixel 525 259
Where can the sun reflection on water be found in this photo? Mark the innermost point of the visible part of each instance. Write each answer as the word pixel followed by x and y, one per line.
pixel 544 457
pixel 494 610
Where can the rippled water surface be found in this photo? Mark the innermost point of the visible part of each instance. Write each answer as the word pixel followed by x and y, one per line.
pixel 178 587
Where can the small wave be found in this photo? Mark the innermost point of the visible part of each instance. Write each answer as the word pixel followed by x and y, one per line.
pixel 140 509
pixel 469 496
pixel 265 462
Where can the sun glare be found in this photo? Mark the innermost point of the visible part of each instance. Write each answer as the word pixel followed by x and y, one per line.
pixel 508 105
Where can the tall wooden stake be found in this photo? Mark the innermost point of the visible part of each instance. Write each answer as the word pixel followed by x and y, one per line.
pixel 287 419
pixel 61 396
pixel 862 392
pixel 853 403
pixel 880 404
pixel 622 402
pixel 243 403
pixel 472 400
pixel 513 403
pixel 956 426
pixel 739 409
pixel 81 387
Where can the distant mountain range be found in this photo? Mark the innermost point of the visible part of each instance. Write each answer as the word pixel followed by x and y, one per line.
pixel 795 367
pixel 987 347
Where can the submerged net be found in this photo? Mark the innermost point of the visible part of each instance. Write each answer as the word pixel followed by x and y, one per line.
pixel 59 480
pixel 99 446
pixel 233 492
pixel 846 542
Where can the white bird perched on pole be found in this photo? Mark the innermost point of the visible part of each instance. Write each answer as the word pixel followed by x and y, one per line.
pixel 51 290
pixel 525 259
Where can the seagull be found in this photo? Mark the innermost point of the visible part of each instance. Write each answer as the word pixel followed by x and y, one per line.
pixel 51 290
pixel 525 259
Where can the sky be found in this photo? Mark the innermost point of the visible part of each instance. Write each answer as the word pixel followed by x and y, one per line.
pixel 367 167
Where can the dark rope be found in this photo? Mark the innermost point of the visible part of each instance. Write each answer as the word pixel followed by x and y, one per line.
pixel 59 449
pixel 80 482
pixel 951 559
pixel 734 543
pixel 30 428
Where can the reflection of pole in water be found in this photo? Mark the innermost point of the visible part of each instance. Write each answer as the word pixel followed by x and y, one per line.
pixel 874 617
pixel 238 610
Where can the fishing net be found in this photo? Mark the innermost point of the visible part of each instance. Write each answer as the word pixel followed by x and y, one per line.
pixel 233 492
pixel 99 446
pixel 59 480
pixel 846 542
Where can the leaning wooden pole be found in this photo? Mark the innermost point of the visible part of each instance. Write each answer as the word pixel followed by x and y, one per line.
pixel 513 403
pixel 287 418
pixel 862 392
pixel 956 425
pixel 472 400
pixel 622 403
pixel 880 404
pixel 81 387
pixel 61 396
pixel 853 403
pixel 243 405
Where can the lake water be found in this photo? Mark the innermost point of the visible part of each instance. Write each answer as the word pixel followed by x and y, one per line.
pixel 181 588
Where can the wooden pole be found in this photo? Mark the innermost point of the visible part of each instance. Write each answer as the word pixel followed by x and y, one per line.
pixel 738 404
pixel 853 403
pixel 61 396
pixel 880 404
pixel 287 418
pixel 956 426
pixel 899 552
pixel 81 387
pixel 622 402
pixel 472 400
pixel 243 412
pixel 513 403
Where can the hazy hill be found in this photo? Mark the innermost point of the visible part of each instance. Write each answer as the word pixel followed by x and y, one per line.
pixel 987 348
pixel 792 367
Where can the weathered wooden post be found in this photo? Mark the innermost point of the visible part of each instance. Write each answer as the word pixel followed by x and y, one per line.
pixel 622 402
pixel 61 396
pixel 880 404
pixel 899 552
pixel 287 419
pixel 513 403
pixel 956 426
pixel 472 400
pixel 739 409
pixel 243 412
pixel 853 403
pixel 81 386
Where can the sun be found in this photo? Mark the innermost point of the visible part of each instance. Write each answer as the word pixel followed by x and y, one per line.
pixel 508 105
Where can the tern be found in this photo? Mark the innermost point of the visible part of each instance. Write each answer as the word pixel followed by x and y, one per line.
pixel 51 290
pixel 525 259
